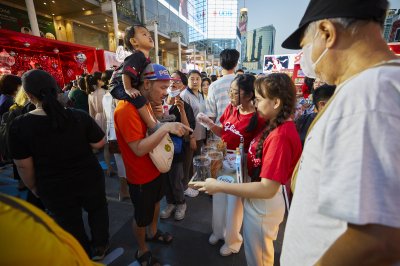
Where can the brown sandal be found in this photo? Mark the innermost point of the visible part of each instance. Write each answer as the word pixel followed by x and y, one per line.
pixel 147 259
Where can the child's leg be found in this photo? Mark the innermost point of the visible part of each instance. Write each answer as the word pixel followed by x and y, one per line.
pixel 147 118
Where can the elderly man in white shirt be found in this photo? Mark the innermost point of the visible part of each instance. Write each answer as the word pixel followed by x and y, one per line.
pixel 346 205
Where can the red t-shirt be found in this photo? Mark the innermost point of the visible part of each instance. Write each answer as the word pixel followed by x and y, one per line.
pixel 129 127
pixel 281 151
pixel 234 128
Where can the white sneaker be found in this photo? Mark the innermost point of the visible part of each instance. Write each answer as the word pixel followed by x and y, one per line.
pixel 166 213
pixel 226 251
pixel 213 239
pixel 190 192
pixel 180 211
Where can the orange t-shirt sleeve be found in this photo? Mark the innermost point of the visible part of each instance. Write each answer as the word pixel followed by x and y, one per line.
pixel 130 125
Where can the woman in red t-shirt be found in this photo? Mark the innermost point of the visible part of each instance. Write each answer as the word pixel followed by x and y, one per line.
pixel 272 158
pixel 239 123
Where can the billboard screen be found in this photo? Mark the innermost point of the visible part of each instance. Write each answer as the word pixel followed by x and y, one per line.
pixel 278 62
pixel 222 19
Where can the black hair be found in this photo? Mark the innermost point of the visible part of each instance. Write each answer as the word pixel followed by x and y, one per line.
pixel 106 76
pixel 9 84
pixel 130 33
pixel 91 82
pixel 82 84
pixel 239 70
pixel 310 84
pixel 229 58
pixel 213 78
pixel 183 77
pixel 44 87
pixel 323 93
pixel 275 85
pixel 194 71
pixel 205 79
pixel 245 83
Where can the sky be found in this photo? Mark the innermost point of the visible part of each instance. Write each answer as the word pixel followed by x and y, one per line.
pixel 285 15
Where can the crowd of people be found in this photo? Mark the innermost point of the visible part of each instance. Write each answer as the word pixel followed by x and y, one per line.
pixel 333 147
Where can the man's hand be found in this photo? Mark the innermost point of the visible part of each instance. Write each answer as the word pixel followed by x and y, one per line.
pixel 177 128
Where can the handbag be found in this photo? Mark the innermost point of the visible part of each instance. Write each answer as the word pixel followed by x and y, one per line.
pixel 113 147
pixel 163 154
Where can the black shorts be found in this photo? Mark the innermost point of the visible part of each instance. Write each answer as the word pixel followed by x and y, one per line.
pixel 144 198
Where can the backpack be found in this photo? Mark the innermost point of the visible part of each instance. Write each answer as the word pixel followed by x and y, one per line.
pixel 5 124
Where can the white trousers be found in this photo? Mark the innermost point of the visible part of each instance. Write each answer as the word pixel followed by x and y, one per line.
pixel 227 219
pixel 262 218
pixel 120 165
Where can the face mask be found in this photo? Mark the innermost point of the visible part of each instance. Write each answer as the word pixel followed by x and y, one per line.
pixel 172 93
pixel 306 63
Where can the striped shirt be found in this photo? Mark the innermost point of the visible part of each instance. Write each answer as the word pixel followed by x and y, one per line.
pixel 197 104
pixel 218 97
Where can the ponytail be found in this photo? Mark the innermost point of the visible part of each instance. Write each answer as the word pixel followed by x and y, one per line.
pixel 54 109
pixel 43 87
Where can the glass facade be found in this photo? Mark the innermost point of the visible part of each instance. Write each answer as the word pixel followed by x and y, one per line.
pixel 222 19
pixel 176 15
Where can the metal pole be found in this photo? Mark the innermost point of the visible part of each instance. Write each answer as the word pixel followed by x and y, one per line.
pixel 143 11
pixel 32 17
pixel 194 56
pixel 156 41
pixel 115 22
pixel 205 60
pixel 179 53
pixel 212 65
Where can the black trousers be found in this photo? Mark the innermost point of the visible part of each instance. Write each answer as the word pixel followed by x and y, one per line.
pixel 174 188
pixel 67 211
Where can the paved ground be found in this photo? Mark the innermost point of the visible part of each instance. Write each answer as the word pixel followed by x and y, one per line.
pixel 190 245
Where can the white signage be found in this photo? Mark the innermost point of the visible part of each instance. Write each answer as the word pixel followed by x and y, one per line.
pixel 222 19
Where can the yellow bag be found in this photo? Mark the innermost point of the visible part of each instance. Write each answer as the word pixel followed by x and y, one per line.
pixel 30 237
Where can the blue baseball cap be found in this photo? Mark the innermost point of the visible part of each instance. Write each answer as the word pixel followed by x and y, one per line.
pixel 155 72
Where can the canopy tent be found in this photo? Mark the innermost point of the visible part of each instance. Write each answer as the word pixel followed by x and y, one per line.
pixel 63 60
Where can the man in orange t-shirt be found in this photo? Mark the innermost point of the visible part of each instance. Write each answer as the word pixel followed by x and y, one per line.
pixel 144 180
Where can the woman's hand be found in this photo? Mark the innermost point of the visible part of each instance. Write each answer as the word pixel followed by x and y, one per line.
pixel 193 143
pixel 210 186
pixel 179 104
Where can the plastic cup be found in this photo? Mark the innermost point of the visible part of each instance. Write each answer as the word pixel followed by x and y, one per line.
pixel 201 168
pixel 216 158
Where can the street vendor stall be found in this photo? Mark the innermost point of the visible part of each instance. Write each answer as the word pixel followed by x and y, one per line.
pixel 20 52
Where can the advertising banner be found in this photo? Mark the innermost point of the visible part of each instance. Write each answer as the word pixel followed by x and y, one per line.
pixel 276 63
pixel 243 20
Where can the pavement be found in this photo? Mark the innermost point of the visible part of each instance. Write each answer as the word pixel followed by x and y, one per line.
pixel 190 245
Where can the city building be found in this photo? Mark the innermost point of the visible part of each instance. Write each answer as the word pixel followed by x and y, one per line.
pixel 256 44
pixel 219 22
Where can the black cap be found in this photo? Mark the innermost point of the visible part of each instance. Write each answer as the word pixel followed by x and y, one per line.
pixel 37 82
pixel 323 9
